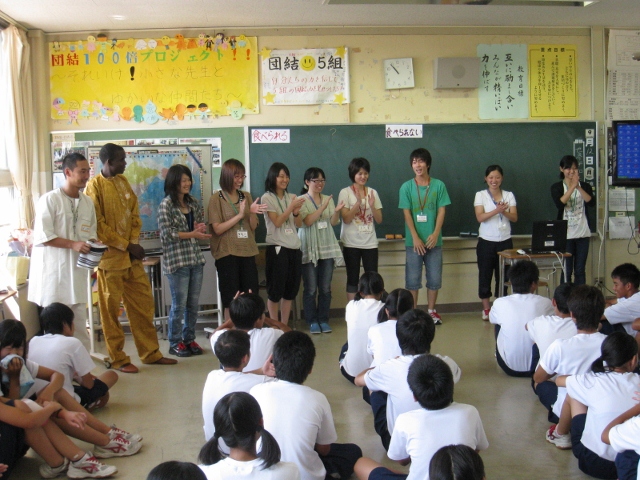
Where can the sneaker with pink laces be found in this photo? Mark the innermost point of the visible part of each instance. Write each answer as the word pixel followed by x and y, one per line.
pixel 118 432
pixel 117 447
pixel 563 442
pixel 437 319
pixel 89 467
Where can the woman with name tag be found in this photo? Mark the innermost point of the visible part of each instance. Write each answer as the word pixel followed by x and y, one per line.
pixel 284 259
pixel 572 197
pixel 362 207
pixel 495 210
pixel 233 218
pixel 320 249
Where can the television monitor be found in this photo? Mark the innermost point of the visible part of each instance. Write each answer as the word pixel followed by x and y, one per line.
pixel 626 153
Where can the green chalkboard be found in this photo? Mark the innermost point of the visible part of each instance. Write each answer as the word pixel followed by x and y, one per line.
pixel 529 153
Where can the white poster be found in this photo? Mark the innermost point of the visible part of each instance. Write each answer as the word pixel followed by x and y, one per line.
pixel 504 89
pixel 305 77
pixel 623 85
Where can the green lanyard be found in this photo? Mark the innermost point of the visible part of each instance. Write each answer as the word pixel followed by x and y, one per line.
pixel 228 199
pixel 283 199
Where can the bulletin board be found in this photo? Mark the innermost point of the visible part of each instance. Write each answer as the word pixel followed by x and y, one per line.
pixel 149 80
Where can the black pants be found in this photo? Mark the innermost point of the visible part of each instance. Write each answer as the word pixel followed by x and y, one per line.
pixel 352 257
pixel 340 460
pixel 488 264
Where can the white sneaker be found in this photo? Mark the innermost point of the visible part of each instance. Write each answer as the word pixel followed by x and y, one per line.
pixel 485 314
pixel 117 447
pixel 437 319
pixel 563 442
pixel 89 467
pixel 47 471
pixel 118 432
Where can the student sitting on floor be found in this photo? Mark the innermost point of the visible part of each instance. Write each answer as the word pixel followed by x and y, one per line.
pixel 570 356
pixel 544 329
pixel 511 314
pixel 361 314
pixel 623 434
pixel 233 352
pixel 456 462
pixel 390 393
pixel 382 342
pixel 622 311
pixel 59 350
pixel 299 417
pixel 419 434
pixel 247 313
pixel 594 399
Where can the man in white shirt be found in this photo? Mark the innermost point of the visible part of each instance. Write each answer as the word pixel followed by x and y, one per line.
pixel 623 310
pixel 299 417
pixel 233 352
pixel 390 393
pixel 65 221
pixel 511 314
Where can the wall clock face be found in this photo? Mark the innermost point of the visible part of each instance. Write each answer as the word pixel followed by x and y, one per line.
pixel 398 73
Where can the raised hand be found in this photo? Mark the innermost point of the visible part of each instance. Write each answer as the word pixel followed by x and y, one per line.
pixel 258 207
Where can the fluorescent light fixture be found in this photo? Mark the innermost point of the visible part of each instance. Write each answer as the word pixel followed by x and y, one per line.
pixel 521 3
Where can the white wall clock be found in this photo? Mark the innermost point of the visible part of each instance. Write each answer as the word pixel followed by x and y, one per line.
pixel 398 73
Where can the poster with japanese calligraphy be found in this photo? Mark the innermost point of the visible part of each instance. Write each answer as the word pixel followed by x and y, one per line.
pixel 504 82
pixel 305 77
pixel 154 80
pixel 553 80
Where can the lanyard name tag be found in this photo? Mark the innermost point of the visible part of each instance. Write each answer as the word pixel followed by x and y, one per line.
pixel 288 231
pixel 422 218
pixel 84 228
pixel 243 234
pixel 322 225
pixel 365 228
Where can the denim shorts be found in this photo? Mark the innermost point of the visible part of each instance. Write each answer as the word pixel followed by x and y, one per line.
pixel 432 261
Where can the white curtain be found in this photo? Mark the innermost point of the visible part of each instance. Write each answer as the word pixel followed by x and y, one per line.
pixel 16 116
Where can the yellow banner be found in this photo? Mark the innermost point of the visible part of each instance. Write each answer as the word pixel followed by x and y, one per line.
pixel 152 80
pixel 553 82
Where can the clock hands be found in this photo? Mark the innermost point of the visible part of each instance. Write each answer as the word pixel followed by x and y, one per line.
pixel 395 69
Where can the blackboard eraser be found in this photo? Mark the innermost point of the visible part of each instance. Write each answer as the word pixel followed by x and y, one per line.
pixel 474 234
pixel 398 236
pixel 389 236
pixel 465 234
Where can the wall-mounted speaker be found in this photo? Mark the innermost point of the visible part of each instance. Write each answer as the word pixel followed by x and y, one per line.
pixel 456 72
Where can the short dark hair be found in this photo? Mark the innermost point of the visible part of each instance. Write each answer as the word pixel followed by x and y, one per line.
pixel 415 331
pixel 293 357
pixel 246 310
pixel 627 273
pixel 356 164
pixel 421 154
pixel 522 275
pixel 231 347
pixel 456 462
pixel 370 283
pixel 173 181
pixel 493 168
pixel 561 295
pixel 310 174
pixel 229 170
pixel 54 317
pixel 616 350
pixel 567 161
pixel 108 152
pixel 174 470
pixel 397 302
pixel 237 418
pixel 71 160
pixel 431 381
pixel 586 304
pixel 272 175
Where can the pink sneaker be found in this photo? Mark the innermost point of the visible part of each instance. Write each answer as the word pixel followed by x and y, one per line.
pixel 437 319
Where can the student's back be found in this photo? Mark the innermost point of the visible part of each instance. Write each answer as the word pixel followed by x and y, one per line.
pixel 262 342
pixel 545 329
pixel 360 315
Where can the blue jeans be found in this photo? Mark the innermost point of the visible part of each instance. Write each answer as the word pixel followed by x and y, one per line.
pixel 185 284
pixel 577 263
pixel 317 279
pixel 432 261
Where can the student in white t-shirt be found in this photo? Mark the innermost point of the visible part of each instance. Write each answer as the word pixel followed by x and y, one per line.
pixel 246 312
pixel 238 421
pixel 382 343
pixel 390 394
pixel 622 311
pixel 596 398
pixel 623 434
pixel 360 315
pixel 511 314
pixel 233 351
pixel 544 329
pixel 299 417
pixel 420 433
pixel 362 210
pixel 59 350
pixel 573 355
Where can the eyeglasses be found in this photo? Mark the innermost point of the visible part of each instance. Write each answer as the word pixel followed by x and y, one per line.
pixel 240 177
pixel 319 180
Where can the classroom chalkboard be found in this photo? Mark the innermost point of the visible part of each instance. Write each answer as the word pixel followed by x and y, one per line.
pixel 529 153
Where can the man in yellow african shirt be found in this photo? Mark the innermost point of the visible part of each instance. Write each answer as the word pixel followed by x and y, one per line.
pixel 121 275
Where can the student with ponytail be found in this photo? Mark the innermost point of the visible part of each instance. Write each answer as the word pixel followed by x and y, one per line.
pixel 238 422
pixel 594 399
pixel 382 343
